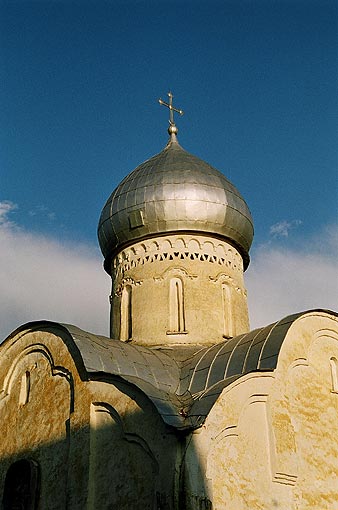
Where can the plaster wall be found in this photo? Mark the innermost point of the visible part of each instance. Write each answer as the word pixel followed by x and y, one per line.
pixel 270 440
pixel 132 452
pixel 37 407
pixel 183 290
pixel 98 444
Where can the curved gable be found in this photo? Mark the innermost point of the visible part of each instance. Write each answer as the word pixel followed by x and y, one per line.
pixel 182 391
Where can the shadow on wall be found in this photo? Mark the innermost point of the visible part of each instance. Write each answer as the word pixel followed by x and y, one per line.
pixel 73 443
pixel 101 466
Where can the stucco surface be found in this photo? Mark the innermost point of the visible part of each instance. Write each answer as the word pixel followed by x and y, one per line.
pixel 260 439
pixel 213 296
pixel 270 439
pixel 88 437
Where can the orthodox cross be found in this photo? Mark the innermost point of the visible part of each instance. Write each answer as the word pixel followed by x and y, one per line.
pixel 172 109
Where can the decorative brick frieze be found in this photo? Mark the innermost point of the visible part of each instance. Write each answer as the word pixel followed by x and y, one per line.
pixel 177 248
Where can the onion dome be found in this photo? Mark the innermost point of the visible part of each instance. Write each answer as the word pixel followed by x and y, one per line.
pixel 173 192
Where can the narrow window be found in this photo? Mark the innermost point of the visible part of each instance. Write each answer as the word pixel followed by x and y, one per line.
pixel 176 306
pixel 25 388
pixel 126 314
pixel 227 311
pixel 334 374
pixel 21 486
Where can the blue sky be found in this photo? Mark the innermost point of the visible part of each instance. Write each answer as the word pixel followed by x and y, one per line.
pixel 257 81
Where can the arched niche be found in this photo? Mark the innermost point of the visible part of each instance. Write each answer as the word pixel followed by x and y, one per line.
pixel 126 331
pixel 123 471
pixel 21 486
pixel 176 306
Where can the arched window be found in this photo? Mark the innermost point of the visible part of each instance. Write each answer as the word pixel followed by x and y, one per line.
pixel 227 311
pixel 334 374
pixel 126 332
pixel 25 388
pixel 21 486
pixel 176 306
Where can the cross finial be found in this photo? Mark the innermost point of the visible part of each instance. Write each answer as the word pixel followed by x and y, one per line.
pixel 172 130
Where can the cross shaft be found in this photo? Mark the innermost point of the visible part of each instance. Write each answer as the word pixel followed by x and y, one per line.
pixel 172 109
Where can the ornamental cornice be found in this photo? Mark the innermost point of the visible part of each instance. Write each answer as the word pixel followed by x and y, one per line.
pixel 173 248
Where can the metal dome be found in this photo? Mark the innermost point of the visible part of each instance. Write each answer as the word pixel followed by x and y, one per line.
pixel 172 192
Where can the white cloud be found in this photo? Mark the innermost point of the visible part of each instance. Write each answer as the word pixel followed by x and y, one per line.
pixel 41 278
pixel 281 281
pixel 282 228
pixel 42 211
pixel 6 207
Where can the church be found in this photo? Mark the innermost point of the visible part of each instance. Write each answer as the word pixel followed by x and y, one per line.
pixel 183 407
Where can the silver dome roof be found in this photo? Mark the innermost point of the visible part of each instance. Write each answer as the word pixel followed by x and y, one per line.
pixel 170 192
